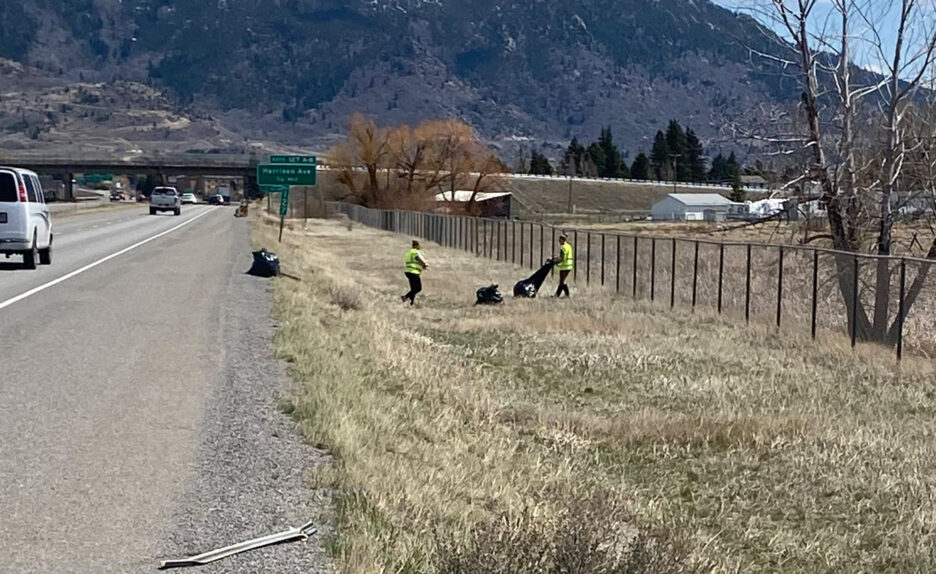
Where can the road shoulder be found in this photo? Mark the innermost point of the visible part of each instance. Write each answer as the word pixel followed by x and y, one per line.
pixel 253 465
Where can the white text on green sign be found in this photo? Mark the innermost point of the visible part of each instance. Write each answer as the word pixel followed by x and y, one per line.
pixel 279 174
pixel 293 159
pixel 284 203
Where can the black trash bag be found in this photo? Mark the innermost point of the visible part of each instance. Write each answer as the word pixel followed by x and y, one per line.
pixel 530 286
pixel 489 296
pixel 265 264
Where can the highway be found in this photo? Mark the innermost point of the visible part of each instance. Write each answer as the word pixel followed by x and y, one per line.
pixel 137 401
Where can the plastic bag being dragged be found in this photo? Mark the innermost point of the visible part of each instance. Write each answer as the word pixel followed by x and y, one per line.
pixel 265 264
pixel 489 296
pixel 530 286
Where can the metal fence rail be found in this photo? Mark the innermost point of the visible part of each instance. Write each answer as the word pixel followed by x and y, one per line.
pixel 791 286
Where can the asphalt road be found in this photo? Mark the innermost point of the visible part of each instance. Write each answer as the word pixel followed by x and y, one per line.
pixel 137 396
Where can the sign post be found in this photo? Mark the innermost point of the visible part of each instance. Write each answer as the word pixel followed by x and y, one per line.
pixel 284 205
pixel 284 171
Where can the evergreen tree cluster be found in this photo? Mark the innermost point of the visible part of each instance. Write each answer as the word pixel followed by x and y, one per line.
pixel 539 164
pixel 677 155
pixel 601 158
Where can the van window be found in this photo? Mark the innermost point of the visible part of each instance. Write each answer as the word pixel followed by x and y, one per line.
pixel 40 196
pixel 30 189
pixel 7 187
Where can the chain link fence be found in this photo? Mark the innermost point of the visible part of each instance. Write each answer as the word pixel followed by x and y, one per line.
pixel 794 287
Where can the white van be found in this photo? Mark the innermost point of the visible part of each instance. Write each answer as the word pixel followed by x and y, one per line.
pixel 25 224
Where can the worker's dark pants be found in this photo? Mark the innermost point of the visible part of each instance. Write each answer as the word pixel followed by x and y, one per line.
pixel 415 286
pixel 563 288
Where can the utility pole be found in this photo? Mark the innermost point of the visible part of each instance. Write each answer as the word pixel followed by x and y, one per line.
pixel 675 178
pixel 570 193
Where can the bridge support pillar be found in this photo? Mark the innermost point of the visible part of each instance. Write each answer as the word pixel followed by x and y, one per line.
pixel 69 186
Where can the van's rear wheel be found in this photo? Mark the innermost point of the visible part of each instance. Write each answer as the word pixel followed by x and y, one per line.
pixel 29 257
pixel 45 255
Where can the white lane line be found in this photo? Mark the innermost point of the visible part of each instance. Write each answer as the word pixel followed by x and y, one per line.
pixel 90 266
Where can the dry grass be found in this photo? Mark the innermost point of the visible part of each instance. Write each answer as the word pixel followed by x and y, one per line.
pixel 593 434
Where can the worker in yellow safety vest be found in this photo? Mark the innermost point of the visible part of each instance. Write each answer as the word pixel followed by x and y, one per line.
pixel 565 265
pixel 415 264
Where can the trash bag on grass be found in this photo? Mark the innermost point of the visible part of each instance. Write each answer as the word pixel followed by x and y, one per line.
pixel 489 296
pixel 265 264
pixel 530 286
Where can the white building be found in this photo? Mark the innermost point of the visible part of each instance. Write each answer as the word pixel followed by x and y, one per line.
pixel 691 207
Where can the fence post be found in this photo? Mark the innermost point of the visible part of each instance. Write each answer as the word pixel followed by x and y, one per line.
pixel 695 275
pixel 588 259
pixel 602 259
pixel 531 245
pixel 672 288
pixel 553 244
pixel 513 238
pixel 575 253
pixel 815 290
pixel 636 247
pixel 484 242
pixel 780 288
pixel 900 308
pixel 653 269
pixel 721 274
pixel 541 243
pixel 617 269
pixel 747 287
pixel 854 302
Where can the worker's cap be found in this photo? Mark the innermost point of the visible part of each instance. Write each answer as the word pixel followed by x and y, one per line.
pixel 563 236
pixel 415 243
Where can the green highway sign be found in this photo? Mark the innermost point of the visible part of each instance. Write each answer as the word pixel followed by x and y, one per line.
pixel 293 159
pixel 284 202
pixel 280 174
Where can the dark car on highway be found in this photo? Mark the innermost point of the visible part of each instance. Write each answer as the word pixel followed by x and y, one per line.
pixel 216 199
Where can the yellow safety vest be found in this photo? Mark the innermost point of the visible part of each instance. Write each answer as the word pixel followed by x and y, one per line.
pixel 566 260
pixel 412 263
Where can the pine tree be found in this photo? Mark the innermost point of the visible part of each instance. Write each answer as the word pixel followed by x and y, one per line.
pixel 641 167
pixel 596 154
pixel 737 187
pixel 732 165
pixel 678 150
pixel 719 172
pixel 696 161
pixel 659 157
pixel 539 164
pixel 572 160
pixel 612 165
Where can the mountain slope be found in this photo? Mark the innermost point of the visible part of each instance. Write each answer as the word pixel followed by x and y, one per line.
pixel 542 69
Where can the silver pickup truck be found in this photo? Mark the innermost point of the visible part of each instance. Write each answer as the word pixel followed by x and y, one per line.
pixel 165 199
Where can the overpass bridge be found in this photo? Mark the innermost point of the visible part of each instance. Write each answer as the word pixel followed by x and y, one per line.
pixel 156 164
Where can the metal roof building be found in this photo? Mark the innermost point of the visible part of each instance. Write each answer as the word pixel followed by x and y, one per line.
pixel 691 207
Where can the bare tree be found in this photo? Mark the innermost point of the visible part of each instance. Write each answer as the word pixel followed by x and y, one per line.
pixel 855 127
pixel 437 157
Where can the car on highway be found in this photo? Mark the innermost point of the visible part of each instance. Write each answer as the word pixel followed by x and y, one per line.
pixel 189 197
pixel 165 199
pixel 117 196
pixel 25 223
pixel 216 199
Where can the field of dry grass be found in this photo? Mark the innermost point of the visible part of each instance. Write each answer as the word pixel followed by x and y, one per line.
pixel 552 195
pixel 593 434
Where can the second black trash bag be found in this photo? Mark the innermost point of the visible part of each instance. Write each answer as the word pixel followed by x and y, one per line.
pixel 489 296
pixel 265 264
pixel 530 286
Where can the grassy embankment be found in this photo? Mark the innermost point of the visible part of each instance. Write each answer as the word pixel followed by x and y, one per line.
pixel 591 435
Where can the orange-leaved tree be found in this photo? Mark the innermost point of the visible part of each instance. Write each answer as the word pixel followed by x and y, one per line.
pixel 404 167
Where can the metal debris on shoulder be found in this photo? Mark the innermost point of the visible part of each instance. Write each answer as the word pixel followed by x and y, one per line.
pixel 291 535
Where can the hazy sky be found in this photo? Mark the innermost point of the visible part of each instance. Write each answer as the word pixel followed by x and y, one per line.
pixel 884 15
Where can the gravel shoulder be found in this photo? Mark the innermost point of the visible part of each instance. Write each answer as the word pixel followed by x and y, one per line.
pixel 253 465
